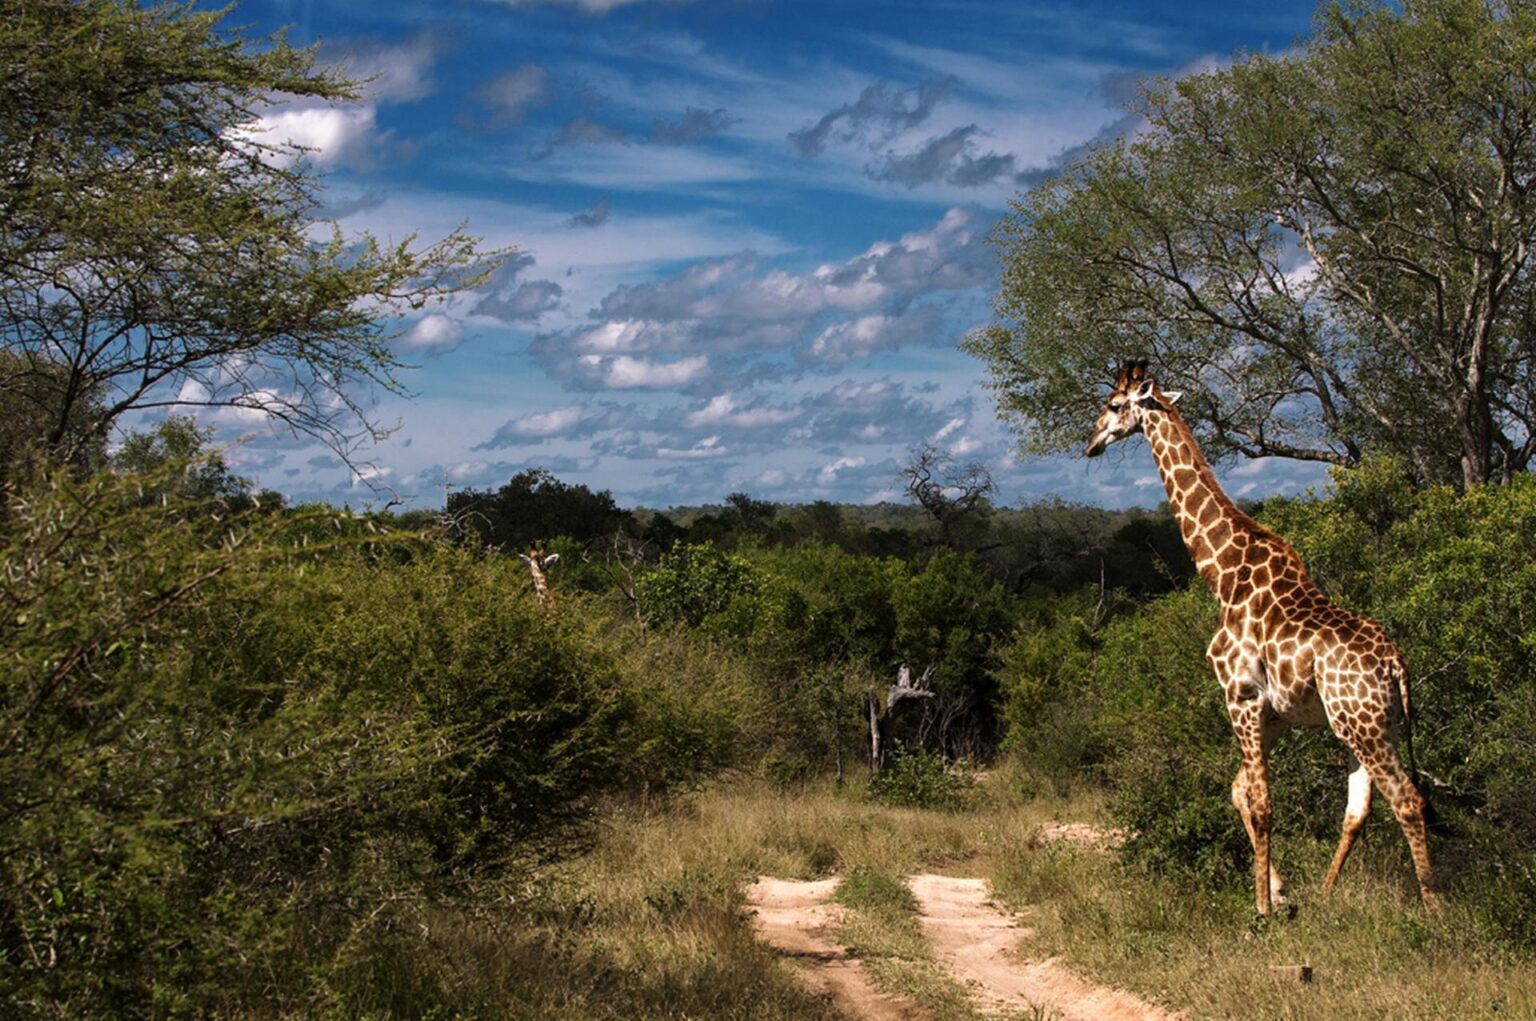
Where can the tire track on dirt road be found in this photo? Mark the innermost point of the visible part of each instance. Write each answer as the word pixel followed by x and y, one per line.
pixel 795 918
pixel 978 943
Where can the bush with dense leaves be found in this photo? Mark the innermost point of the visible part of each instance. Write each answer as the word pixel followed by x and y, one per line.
pixel 242 760
pixel 922 779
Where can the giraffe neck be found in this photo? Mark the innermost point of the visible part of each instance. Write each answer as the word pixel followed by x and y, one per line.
pixel 1208 519
pixel 541 590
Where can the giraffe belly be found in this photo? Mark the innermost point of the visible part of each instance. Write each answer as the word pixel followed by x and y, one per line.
pixel 1292 696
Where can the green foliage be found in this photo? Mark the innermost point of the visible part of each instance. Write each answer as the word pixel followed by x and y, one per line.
pixel 949 615
pixel 701 586
pixel 922 779
pixel 1049 720
pixel 247 753
pixel 31 410
pixel 533 507
pixel 1381 147
pixel 178 440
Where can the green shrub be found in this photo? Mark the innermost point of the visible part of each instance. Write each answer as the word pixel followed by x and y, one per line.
pixel 922 779
pixel 700 585
pixel 244 761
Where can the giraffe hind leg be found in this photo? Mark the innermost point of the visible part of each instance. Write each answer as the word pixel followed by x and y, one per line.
pixel 1387 773
pixel 1355 814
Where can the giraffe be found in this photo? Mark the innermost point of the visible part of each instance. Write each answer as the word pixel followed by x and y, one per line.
pixel 538 561
pixel 1285 656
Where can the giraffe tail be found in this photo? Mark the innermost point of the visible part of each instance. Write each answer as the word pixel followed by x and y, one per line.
pixel 1432 818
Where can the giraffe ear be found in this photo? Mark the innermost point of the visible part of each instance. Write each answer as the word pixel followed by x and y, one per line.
pixel 1172 396
pixel 524 558
pixel 551 559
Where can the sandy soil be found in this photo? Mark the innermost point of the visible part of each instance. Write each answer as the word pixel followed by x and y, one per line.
pixel 794 918
pixel 1086 835
pixel 978 943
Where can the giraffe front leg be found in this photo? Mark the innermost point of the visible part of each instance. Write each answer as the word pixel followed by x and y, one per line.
pixel 1250 793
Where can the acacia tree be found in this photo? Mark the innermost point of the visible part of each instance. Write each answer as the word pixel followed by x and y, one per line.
pixel 156 250
pixel 1328 249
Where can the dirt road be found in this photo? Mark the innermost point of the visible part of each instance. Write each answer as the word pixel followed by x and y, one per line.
pixel 970 936
pixel 980 944
pixel 795 919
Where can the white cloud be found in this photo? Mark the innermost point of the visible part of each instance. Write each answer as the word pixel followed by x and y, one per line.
pixel 723 410
pixel 708 447
pixel 624 372
pixel 434 333
pixel 400 74
pixel 965 445
pixel 545 423
pixel 828 473
pixel 330 133
pixel 949 427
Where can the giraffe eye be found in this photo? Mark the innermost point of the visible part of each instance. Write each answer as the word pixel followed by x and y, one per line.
pixel 1116 405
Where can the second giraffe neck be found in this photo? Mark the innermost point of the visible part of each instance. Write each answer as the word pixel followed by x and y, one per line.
pixel 1207 517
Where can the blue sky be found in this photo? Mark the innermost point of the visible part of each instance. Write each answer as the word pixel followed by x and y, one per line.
pixel 749 234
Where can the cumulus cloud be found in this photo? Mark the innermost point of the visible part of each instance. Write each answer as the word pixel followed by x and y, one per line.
pixel 723 410
pixel 329 135
pixel 738 311
pixel 624 372
pixel 571 422
pixel 867 335
pixel 709 447
pixel 828 473
pixel 878 115
pixel 432 334
pixel 512 300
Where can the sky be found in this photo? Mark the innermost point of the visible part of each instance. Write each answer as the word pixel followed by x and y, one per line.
pixel 749 234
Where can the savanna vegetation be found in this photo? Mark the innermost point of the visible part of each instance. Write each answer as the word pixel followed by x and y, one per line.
pixel 265 760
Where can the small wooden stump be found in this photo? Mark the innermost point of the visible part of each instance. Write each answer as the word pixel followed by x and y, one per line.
pixel 1291 972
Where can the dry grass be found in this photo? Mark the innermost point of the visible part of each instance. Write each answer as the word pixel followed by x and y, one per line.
pixel 650 923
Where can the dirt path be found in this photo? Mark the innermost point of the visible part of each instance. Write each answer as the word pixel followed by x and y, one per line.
pixel 793 918
pixel 977 942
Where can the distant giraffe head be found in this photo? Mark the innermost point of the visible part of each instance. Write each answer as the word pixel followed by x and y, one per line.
pixel 538 563
pixel 1133 396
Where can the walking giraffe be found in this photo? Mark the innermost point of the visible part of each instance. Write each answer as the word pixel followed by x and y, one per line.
pixel 538 561
pixel 1284 654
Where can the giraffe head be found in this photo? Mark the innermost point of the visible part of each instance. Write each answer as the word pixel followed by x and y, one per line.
pixel 537 559
pixel 1134 396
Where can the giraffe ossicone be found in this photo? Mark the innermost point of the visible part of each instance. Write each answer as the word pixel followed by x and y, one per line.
pixel 1284 654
